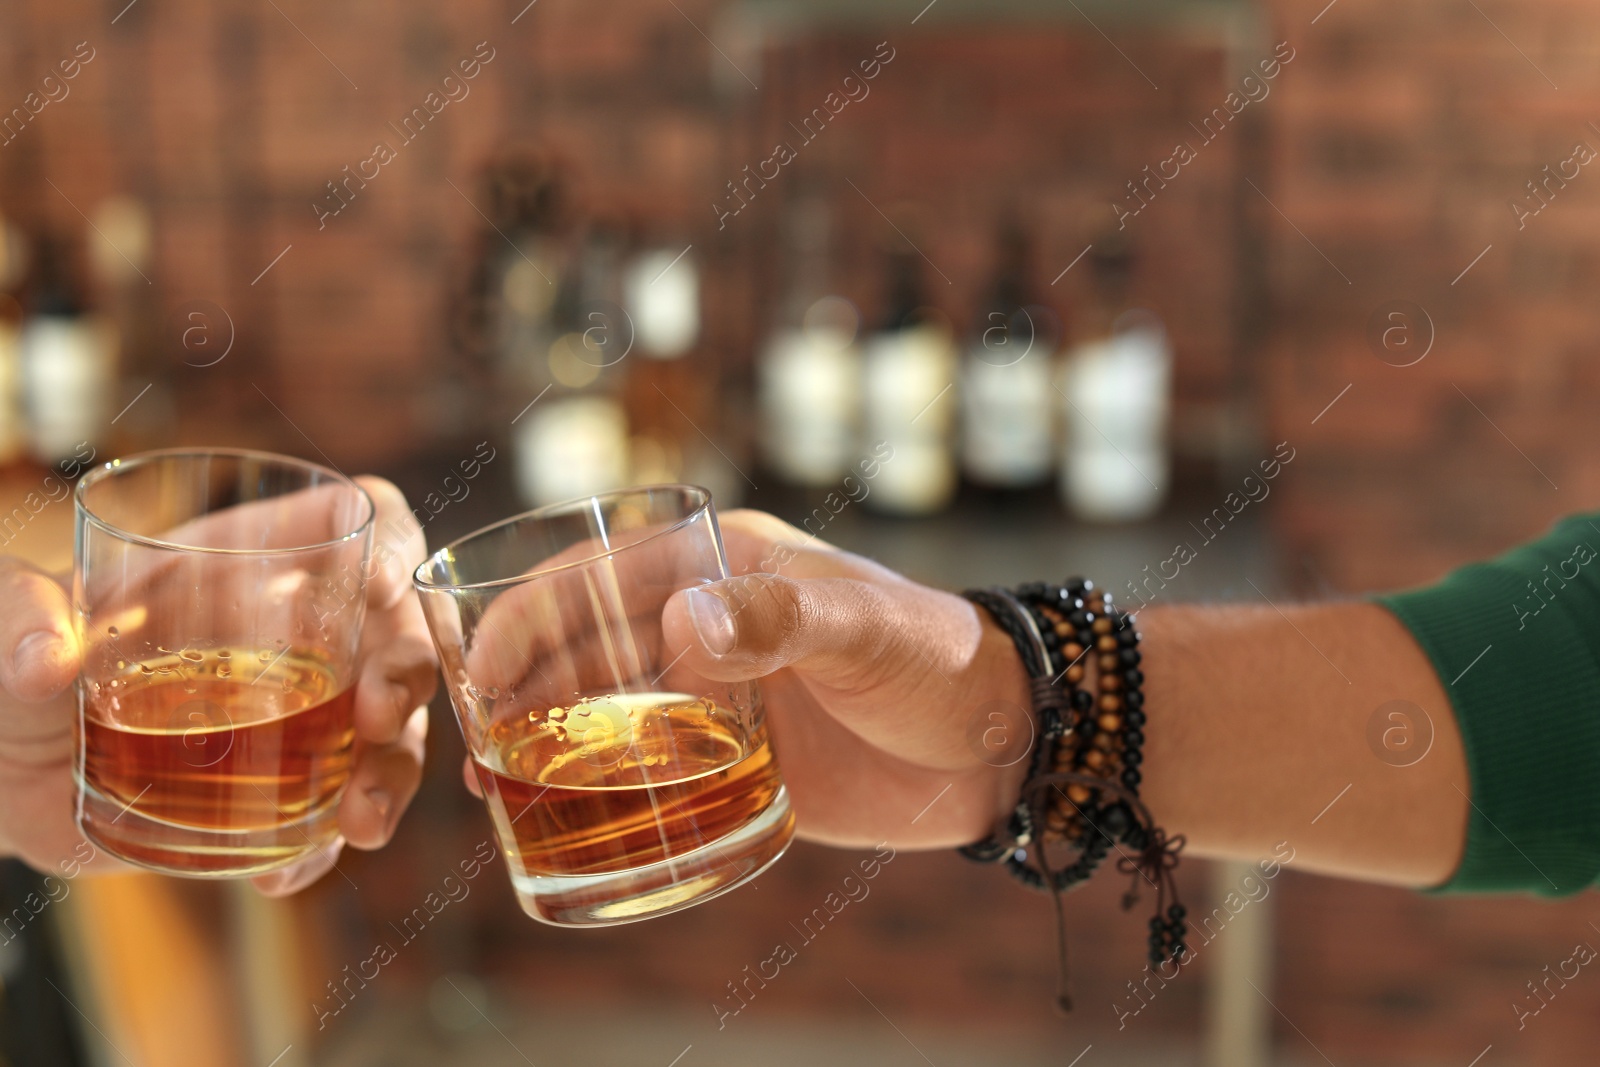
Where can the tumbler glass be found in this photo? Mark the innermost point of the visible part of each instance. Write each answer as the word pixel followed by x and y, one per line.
pixel 622 785
pixel 219 597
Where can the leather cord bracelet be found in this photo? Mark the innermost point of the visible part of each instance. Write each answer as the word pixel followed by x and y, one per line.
pixel 1081 795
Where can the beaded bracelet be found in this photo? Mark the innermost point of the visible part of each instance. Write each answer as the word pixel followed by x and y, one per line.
pixel 1082 789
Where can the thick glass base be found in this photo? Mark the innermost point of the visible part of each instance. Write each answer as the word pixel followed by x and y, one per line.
pixel 196 852
pixel 671 885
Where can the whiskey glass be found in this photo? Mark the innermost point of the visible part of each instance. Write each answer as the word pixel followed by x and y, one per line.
pixel 621 784
pixel 219 597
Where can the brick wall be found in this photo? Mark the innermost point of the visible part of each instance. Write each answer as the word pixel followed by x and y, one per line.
pixel 1397 146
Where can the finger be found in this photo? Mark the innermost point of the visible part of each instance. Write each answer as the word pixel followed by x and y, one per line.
pixel 383 782
pixel 470 776
pixel 297 876
pixel 398 544
pixel 750 626
pixel 399 671
pixel 38 647
pixel 753 539
pixel 529 624
pixel 572 630
pixel 531 634
pixel 38 824
pixel 297 519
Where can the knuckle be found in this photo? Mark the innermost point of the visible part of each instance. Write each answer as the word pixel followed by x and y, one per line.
pixel 417 727
pixel 792 611
pixel 411 649
pixel 878 624
pixel 889 636
pixel 386 496
pixel 423 682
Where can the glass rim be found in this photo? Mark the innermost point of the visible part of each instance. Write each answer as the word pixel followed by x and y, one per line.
pixel 122 464
pixel 424 584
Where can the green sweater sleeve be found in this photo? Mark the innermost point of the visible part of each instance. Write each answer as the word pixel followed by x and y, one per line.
pixel 1516 643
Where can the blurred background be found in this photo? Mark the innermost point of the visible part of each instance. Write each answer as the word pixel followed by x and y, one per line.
pixel 1083 267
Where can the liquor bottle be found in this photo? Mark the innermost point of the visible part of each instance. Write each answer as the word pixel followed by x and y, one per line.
pixel 910 367
pixel 13 269
pixel 661 290
pixel 13 429
pixel 1007 399
pixel 668 389
pixel 573 439
pixel 1115 384
pixel 809 375
pixel 524 272
pixel 68 362
pixel 119 241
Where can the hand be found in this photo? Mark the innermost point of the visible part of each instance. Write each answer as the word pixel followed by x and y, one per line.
pixel 899 712
pixel 39 659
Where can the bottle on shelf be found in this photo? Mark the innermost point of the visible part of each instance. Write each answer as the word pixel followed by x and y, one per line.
pixel 13 271
pixel 1115 386
pixel 667 389
pixel 909 382
pixel 573 439
pixel 661 290
pixel 674 382
pixel 120 242
pixel 1008 400
pixel 68 361
pixel 499 320
pixel 524 271
pixel 809 375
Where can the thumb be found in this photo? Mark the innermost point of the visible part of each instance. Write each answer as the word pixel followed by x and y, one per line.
pixel 746 627
pixel 38 645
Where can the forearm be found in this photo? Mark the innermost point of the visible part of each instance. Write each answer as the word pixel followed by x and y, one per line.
pixel 1258 721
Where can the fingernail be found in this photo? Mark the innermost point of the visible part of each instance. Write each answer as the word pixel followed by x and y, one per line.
pixel 712 621
pixel 41 646
pixel 380 799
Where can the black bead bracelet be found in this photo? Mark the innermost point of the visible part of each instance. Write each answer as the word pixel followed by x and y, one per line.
pixel 1082 789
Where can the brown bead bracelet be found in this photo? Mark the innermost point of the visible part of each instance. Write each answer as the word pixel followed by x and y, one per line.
pixel 1082 790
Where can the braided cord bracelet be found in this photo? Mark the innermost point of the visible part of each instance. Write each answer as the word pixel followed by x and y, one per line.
pixel 1081 794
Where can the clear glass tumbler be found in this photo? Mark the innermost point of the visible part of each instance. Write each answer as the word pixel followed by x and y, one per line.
pixel 622 784
pixel 220 596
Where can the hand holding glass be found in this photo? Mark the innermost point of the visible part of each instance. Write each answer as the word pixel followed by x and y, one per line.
pixel 621 784
pixel 220 597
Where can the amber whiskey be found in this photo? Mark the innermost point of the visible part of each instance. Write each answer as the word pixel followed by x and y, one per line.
pixel 250 748
pixel 624 781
